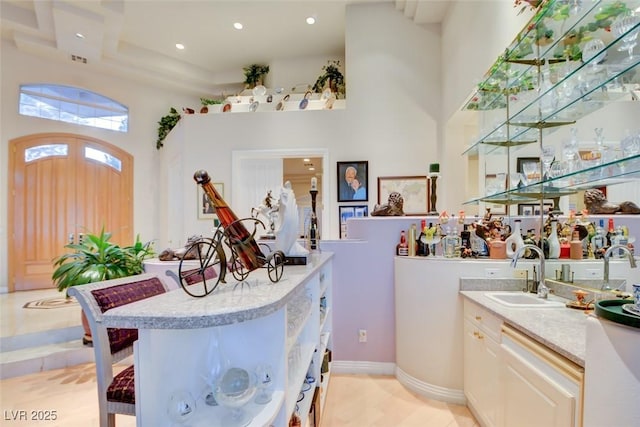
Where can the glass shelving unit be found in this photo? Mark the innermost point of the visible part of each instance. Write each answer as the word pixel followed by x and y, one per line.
pixel 541 82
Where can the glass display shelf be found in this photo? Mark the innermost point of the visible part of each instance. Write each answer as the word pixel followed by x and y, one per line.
pixel 608 173
pixel 536 95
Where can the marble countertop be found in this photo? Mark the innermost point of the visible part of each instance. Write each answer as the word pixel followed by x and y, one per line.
pixel 231 302
pixel 563 330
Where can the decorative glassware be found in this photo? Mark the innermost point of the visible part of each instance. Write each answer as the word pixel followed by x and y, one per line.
pixel 593 51
pixel 621 27
pixel 234 390
pixel 264 372
pixel 181 407
pixel 531 172
pixel 570 151
pixel 218 364
pixel 547 156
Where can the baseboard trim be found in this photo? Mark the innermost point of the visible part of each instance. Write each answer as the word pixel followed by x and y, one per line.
pixel 431 391
pixel 363 368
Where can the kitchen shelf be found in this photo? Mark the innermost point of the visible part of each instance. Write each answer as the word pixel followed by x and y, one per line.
pixel 608 173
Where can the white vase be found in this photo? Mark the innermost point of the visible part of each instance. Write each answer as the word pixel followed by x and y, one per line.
pixel 553 242
pixel 514 241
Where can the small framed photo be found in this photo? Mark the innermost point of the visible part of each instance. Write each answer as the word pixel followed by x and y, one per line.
pixel 414 191
pixel 533 209
pixel 346 212
pixel 353 181
pixel 206 211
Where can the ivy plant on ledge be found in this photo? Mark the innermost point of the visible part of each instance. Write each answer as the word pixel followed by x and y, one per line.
pixel 332 78
pixel 167 123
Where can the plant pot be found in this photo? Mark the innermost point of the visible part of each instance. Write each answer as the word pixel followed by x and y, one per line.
pixel 87 339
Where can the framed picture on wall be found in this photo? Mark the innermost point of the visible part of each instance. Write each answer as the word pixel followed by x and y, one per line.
pixel 346 212
pixel 414 191
pixel 353 181
pixel 528 209
pixel 206 211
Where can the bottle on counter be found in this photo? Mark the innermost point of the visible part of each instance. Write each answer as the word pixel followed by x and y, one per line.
pixel 423 246
pixel 599 241
pixel 465 237
pixel 412 240
pixel 576 246
pixel 515 241
pixel 611 232
pixel 553 241
pixel 402 248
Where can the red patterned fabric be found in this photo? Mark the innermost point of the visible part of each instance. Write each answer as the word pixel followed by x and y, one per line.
pixel 117 296
pixel 122 388
pixel 194 276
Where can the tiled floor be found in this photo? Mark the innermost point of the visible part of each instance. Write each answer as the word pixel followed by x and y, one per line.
pixel 353 400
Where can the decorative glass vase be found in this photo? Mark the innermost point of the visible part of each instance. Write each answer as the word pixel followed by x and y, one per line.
pixel 553 241
pixel 515 241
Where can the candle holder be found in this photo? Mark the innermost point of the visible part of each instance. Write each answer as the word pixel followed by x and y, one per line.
pixel 434 197
pixel 314 236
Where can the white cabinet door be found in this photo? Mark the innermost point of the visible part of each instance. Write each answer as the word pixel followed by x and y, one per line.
pixel 482 374
pixel 532 397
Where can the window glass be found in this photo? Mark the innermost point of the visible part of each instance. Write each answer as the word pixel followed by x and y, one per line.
pixel 73 105
pixel 41 151
pixel 102 157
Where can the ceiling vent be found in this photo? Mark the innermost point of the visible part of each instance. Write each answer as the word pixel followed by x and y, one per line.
pixel 80 59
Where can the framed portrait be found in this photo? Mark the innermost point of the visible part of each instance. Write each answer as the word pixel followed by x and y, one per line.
pixel 346 212
pixel 414 191
pixel 206 210
pixel 353 181
pixel 533 209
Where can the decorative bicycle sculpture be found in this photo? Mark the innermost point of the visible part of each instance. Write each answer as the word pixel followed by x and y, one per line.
pixel 231 237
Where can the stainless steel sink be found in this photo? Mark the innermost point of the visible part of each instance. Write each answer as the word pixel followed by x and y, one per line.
pixel 519 299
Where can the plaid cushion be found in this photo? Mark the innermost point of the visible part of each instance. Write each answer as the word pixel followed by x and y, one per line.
pixel 122 389
pixel 117 296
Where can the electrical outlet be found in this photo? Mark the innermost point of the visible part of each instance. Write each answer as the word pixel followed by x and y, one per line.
pixel 362 335
pixel 593 272
pixel 520 274
pixel 491 272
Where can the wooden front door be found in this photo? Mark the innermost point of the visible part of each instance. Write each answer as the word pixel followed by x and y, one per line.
pixel 60 187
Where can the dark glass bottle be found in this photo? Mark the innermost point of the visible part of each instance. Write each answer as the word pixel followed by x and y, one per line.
pixel 423 247
pixel 610 233
pixel 242 242
pixel 465 236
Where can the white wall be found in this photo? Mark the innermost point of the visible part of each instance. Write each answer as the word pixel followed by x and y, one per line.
pixel 146 106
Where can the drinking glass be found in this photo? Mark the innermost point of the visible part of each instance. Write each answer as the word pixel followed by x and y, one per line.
pixel 234 390
pixel 547 156
pixel 593 51
pixel 531 172
pixel 264 372
pixel 181 406
pixel 621 27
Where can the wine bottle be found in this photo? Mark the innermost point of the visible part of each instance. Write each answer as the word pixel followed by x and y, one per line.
pixel 465 237
pixel 423 246
pixel 241 241
pixel 610 233
pixel 599 240
pixel 553 241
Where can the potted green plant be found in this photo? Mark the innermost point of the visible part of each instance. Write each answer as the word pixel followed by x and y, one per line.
pixel 254 75
pixel 331 78
pixel 96 259
pixel 206 102
pixel 165 125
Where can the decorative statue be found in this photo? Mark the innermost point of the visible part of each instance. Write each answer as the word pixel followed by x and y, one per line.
pixel 393 207
pixel 181 253
pixel 268 209
pixel 597 203
pixel 287 231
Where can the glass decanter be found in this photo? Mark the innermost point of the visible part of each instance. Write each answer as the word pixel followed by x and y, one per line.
pixel 234 390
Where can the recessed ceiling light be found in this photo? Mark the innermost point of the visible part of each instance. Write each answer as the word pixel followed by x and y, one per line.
pixel 312 169
pixel 311 20
pixel 237 25
pixel 306 160
pixel 179 46
pixel 79 35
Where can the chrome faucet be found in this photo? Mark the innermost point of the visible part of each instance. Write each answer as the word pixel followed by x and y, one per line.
pixel 605 258
pixel 543 291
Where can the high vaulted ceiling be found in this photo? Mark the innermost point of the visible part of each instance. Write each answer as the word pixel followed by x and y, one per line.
pixel 136 38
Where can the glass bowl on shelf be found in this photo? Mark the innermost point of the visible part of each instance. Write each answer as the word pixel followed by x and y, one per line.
pixel 234 390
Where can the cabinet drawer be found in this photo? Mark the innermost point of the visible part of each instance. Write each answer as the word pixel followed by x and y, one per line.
pixel 483 319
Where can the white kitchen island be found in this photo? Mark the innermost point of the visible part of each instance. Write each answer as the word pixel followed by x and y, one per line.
pixel 182 339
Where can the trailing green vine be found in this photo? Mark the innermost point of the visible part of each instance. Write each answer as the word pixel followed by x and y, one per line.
pixel 165 125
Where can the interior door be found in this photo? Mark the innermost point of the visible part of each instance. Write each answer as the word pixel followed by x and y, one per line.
pixel 63 186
